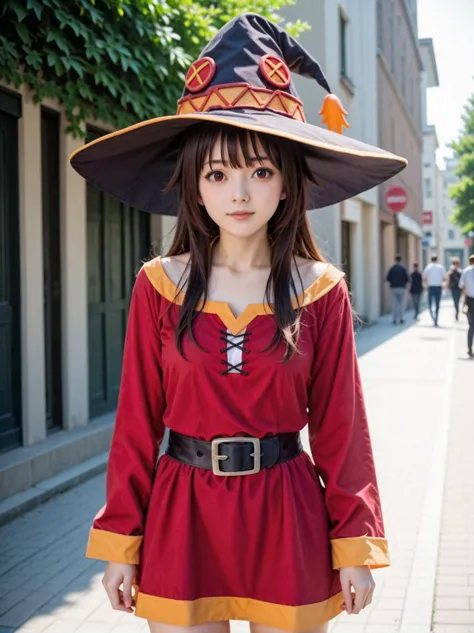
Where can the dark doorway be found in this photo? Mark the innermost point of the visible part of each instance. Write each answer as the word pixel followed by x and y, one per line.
pixel 117 241
pixel 346 251
pixel 10 344
pixel 50 130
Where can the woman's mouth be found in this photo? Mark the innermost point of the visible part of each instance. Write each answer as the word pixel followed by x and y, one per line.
pixel 241 215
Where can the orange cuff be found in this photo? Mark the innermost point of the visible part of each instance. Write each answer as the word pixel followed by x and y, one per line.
pixel 359 551
pixel 115 548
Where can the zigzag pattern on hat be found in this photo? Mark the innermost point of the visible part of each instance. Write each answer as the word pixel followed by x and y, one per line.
pixel 243 95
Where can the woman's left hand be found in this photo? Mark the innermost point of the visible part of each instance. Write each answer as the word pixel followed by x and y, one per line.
pixel 360 578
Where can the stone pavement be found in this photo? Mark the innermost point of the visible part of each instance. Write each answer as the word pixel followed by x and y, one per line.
pixel 416 381
pixel 455 577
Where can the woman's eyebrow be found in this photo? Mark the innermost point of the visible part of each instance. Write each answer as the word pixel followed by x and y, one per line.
pixel 219 161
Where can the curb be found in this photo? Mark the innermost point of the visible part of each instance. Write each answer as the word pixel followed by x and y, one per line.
pixel 14 506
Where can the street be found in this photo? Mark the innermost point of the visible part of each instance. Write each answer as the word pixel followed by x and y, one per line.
pixel 418 385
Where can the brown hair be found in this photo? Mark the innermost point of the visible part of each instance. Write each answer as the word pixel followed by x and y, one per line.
pixel 288 230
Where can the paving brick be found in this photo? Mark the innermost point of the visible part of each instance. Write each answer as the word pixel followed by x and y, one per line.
pixel 448 604
pixel 455 590
pixel 390 604
pixel 63 626
pixel 453 617
pixel 393 592
pixel 386 617
pixel 453 628
pixel 349 628
pixel 453 580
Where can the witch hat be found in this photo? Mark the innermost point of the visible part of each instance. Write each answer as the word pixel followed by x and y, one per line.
pixel 242 79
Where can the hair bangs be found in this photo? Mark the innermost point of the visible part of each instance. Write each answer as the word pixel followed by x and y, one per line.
pixel 236 144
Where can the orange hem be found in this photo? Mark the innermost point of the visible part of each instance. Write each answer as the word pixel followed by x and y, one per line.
pixel 358 551
pixel 166 288
pixel 114 548
pixel 216 609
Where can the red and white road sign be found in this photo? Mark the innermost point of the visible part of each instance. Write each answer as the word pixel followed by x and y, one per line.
pixel 396 198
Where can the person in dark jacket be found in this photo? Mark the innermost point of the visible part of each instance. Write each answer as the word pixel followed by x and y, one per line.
pixel 454 277
pixel 398 279
pixel 416 288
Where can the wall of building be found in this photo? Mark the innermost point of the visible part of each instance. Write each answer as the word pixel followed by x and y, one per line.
pixel 432 202
pixel 451 241
pixel 42 453
pixel 357 90
pixel 400 129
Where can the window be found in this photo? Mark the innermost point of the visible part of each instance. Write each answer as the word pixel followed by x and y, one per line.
pixel 428 191
pixel 451 234
pixel 343 28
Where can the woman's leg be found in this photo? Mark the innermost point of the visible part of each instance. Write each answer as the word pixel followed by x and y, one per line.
pixel 208 627
pixel 456 292
pixel 261 628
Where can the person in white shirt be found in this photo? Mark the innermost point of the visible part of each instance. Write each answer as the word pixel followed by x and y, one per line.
pixel 434 276
pixel 466 283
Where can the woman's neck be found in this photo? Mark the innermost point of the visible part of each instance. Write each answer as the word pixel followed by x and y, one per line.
pixel 242 253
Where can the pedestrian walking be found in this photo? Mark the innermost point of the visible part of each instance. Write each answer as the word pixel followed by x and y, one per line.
pixel 237 338
pixel 454 276
pixel 398 279
pixel 434 276
pixel 466 283
pixel 416 289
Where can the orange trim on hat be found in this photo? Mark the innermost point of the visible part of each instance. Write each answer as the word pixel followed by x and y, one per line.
pixel 242 95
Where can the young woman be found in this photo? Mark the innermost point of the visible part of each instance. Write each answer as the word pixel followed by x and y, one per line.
pixel 237 339
pixel 454 277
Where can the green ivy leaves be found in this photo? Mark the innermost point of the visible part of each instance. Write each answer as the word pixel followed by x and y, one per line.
pixel 117 61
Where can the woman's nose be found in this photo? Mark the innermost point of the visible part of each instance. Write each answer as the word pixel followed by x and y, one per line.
pixel 240 191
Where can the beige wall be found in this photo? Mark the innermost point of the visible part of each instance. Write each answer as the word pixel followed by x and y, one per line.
pixel 399 75
pixel 31 275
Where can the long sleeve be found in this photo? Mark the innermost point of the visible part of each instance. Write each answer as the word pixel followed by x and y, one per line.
pixel 117 530
pixel 340 440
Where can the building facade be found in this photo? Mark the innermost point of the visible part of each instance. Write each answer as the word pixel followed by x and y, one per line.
pixel 399 68
pixel 432 195
pixel 343 39
pixel 69 254
pixel 452 243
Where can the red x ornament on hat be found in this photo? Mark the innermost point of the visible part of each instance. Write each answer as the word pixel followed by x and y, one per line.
pixel 200 74
pixel 275 71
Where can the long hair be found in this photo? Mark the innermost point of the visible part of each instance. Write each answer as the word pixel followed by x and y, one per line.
pixel 289 232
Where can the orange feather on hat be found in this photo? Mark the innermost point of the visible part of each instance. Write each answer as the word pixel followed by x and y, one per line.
pixel 333 114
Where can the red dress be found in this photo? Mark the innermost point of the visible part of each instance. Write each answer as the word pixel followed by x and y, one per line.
pixel 265 547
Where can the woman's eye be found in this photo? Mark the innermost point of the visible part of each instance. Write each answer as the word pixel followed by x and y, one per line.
pixel 262 173
pixel 215 176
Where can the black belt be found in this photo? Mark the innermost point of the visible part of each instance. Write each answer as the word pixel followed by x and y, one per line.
pixel 234 455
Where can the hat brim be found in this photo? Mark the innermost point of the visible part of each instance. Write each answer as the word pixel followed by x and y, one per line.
pixel 136 163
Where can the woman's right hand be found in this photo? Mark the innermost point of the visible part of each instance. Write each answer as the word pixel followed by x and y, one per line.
pixel 115 575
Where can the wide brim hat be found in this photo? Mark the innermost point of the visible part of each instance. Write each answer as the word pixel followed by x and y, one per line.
pixel 241 79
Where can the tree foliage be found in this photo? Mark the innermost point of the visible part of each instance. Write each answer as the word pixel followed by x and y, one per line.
pixel 463 191
pixel 119 61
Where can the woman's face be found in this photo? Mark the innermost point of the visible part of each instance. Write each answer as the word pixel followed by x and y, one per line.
pixel 240 200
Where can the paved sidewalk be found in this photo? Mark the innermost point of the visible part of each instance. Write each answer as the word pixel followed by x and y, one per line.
pixel 46 584
pixel 455 578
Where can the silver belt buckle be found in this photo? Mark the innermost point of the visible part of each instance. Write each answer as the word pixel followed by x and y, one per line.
pixel 217 458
